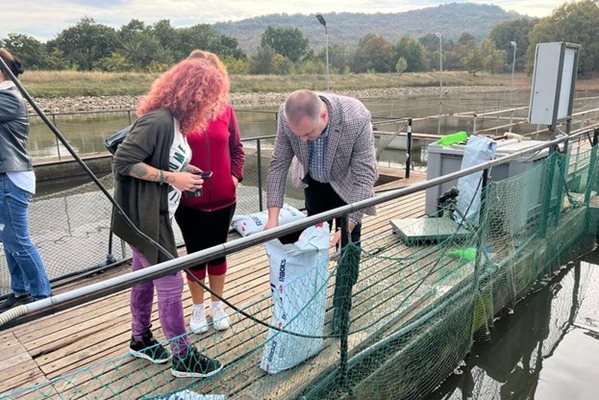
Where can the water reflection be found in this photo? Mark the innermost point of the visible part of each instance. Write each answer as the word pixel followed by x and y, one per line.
pixel 546 349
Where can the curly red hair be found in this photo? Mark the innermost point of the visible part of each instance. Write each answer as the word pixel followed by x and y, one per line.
pixel 194 91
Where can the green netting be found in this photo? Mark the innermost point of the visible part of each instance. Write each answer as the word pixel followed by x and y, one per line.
pixel 400 327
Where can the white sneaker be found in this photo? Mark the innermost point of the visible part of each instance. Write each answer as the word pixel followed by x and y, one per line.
pixel 220 319
pixel 198 322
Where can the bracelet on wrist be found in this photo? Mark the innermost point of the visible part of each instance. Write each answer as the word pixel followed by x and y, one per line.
pixel 161 177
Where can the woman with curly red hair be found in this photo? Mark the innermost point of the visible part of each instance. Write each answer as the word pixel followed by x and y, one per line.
pixel 218 149
pixel 152 168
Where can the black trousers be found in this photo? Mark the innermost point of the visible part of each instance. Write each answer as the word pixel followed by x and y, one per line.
pixel 321 197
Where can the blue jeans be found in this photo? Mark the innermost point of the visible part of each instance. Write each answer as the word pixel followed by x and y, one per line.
pixel 25 265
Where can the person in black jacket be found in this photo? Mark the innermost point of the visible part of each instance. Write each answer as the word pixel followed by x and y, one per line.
pixel 28 279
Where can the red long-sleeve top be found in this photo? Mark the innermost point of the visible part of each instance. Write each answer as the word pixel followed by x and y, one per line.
pixel 217 149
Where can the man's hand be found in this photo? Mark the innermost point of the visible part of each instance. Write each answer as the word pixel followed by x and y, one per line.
pixel 336 239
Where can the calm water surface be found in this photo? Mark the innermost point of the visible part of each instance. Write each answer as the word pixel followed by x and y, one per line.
pixel 547 349
pixel 86 133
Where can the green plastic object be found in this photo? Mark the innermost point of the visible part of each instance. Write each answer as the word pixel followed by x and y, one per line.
pixel 453 138
pixel 467 254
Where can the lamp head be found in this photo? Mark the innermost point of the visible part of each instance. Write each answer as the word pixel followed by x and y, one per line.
pixel 321 19
pixel 439 35
pixel 513 43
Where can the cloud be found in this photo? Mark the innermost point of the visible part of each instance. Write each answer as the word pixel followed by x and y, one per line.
pixel 43 19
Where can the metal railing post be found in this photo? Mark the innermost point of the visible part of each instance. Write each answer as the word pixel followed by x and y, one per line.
pixel 342 303
pixel 409 149
pixel 259 161
pixel 562 181
pixel 480 248
pixel 548 188
pixel 56 138
pixel 592 175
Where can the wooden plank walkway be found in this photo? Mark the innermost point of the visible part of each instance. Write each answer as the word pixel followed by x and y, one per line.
pixel 91 341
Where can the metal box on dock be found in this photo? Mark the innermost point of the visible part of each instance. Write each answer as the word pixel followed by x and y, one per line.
pixel 443 160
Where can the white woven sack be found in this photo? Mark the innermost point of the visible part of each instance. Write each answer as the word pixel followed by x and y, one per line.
pixel 298 281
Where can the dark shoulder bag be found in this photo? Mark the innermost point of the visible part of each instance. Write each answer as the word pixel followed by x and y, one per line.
pixel 113 142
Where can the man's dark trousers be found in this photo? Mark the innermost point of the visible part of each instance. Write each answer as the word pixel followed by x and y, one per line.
pixel 321 197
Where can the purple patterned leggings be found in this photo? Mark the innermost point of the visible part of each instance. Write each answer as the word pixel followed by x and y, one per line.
pixel 170 306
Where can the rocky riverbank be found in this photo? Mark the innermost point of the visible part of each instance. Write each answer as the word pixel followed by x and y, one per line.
pixel 263 99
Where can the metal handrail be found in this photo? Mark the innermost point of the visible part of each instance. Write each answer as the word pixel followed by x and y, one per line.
pixel 127 280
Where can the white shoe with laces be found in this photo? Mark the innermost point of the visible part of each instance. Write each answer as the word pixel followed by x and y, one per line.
pixel 198 322
pixel 220 319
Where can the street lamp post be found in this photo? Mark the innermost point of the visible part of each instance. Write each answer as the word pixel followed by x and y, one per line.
pixel 323 22
pixel 440 36
pixel 515 45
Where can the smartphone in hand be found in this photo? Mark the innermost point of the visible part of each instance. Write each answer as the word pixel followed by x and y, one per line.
pixel 198 192
pixel 205 174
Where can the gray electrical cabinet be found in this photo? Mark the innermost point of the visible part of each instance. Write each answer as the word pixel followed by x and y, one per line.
pixel 553 82
pixel 443 160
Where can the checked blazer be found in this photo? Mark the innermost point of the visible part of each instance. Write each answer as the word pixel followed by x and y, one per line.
pixel 350 163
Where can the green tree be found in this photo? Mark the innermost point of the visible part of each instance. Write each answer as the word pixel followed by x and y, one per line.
pixel 575 22
pixel 203 36
pixel 513 31
pixel 340 56
pixel 86 43
pixel 430 47
pixel 413 52
pixel 236 66
pixel 32 53
pixel 263 61
pixel 492 59
pixel 401 65
pixel 465 54
pixel 472 61
pixel 140 47
pixel 164 33
pixel 115 63
pixel 289 42
pixel 374 53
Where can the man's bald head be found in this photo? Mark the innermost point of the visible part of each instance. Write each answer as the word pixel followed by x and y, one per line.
pixel 307 115
pixel 302 103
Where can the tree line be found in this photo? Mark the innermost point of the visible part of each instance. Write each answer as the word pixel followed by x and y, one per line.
pixel 285 50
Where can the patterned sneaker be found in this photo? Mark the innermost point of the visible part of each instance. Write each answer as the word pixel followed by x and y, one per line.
pixel 220 319
pixel 195 365
pixel 148 348
pixel 198 322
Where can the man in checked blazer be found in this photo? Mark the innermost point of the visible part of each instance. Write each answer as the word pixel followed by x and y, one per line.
pixel 331 137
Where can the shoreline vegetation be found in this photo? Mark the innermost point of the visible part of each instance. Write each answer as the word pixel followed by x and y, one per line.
pixel 75 91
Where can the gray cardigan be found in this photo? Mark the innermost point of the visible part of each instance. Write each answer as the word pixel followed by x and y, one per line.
pixel 145 202
pixel 14 131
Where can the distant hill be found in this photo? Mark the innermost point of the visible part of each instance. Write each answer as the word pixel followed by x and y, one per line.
pixel 449 19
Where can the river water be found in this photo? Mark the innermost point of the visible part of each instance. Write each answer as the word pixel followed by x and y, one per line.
pixel 547 349
pixel 86 133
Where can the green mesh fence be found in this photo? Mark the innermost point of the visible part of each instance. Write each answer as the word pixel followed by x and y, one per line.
pixel 401 326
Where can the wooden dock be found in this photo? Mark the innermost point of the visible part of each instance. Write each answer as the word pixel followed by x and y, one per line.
pixel 89 343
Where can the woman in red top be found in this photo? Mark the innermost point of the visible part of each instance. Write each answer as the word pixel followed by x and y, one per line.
pixel 204 220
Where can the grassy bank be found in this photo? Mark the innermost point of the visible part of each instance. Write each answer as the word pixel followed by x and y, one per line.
pixel 73 83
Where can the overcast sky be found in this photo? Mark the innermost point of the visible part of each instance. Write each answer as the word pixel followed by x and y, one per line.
pixel 43 19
